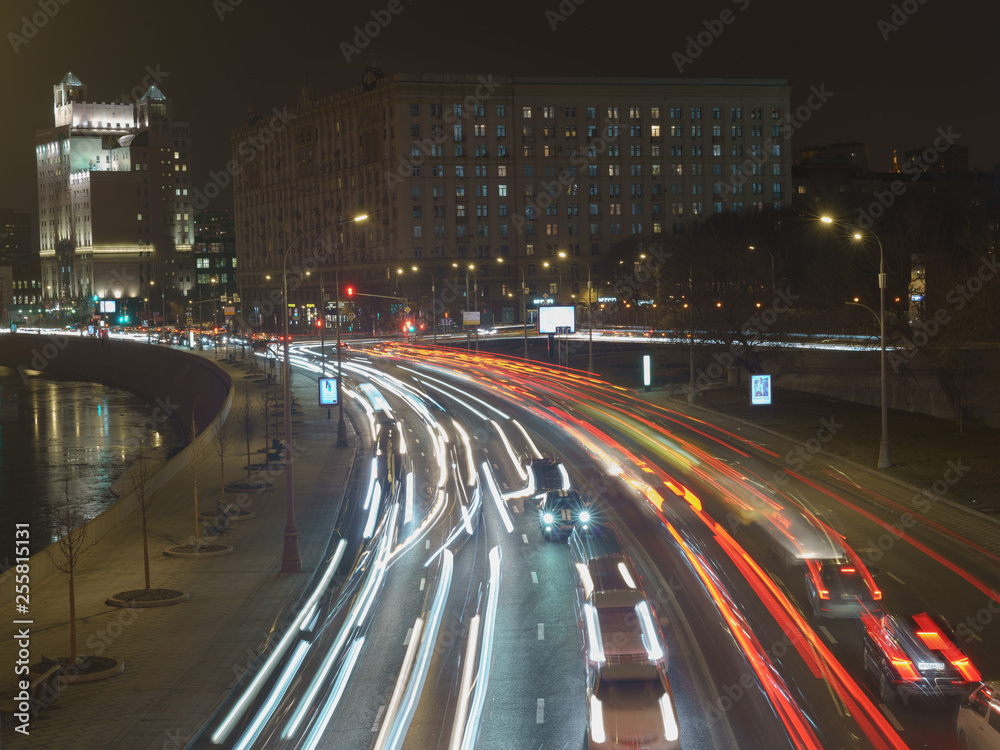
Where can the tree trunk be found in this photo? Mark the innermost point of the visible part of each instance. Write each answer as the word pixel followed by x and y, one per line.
pixel 72 618
pixel 145 549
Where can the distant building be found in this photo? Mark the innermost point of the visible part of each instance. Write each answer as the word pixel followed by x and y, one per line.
pixel 460 170
pixel 18 254
pixel 113 197
pixel 6 294
pixel 210 273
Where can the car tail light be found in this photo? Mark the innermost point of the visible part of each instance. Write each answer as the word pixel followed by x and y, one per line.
pixel 865 574
pixel 934 639
pixel 889 647
pixel 817 579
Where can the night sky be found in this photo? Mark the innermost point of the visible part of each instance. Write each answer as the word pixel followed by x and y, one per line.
pixel 889 86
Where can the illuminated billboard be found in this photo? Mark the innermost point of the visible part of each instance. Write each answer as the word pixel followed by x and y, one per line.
pixel 327 392
pixel 556 316
pixel 760 390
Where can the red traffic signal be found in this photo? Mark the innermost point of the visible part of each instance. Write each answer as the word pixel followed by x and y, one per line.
pixel 350 291
pixel 319 322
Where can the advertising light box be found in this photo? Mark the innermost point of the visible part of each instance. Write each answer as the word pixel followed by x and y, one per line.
pixel 327 392
pixel 760 390
pixel 556 316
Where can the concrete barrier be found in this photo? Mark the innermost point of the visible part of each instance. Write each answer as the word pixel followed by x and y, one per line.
pixel 184 386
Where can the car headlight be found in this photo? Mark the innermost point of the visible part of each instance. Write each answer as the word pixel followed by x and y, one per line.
pixel 585 516
pixel 548 518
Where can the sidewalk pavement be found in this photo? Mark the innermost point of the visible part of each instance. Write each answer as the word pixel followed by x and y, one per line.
pixel 946 473
pixel 180 660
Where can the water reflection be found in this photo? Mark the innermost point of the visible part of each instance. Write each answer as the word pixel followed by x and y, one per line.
pixel 59 438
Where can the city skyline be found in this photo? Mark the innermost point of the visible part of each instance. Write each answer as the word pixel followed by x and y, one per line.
pixel 231 55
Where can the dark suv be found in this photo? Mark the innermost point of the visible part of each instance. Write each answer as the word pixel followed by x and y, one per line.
pixel 561 511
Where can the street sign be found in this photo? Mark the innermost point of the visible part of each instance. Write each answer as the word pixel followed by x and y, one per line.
pixel 470 317
pixel 406 310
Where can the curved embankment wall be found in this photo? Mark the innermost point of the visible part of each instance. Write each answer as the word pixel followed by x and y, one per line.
pixel 189 390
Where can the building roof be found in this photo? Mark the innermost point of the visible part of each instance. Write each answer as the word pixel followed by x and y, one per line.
pixel 71 79
pixel 154 93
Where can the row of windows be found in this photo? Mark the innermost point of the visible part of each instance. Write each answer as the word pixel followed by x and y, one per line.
pixel 614 229
pixel 570 131
pixel 634 151
pixel 612 112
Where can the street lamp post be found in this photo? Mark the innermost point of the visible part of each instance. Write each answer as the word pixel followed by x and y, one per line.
pixel 433 301
pixel 884 462
pixel 524 310
pixel 590 325
pixel 291 561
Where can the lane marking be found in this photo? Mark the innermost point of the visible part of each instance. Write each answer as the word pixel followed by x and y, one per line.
pixel 427 543
pixel 378 719
pixel 828 634
pixel 406 641
pixel 897 579
pixel 892 719
pixel 541 631
pixel 534 577
pixel 540 712
pixel 525 538
pixel 422 582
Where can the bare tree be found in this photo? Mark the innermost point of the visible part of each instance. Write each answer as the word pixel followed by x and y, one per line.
pixel 143 498
pixel 244 414
pixel 222 439
pixel 265 401
pixel 72 525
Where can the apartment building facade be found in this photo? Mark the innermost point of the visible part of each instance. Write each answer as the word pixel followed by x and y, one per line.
pixel 517 183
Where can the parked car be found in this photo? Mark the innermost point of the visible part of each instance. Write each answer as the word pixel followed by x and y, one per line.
pixel 978 723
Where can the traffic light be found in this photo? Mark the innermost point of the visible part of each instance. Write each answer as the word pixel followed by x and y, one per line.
pixel 319 322
pixel 350 291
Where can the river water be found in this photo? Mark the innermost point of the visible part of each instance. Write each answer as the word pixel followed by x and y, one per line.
pixel 64 439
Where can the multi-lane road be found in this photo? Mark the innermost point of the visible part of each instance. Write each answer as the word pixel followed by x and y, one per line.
pixel 453 625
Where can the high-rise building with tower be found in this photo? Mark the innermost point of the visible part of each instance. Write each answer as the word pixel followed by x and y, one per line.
pixel 114 210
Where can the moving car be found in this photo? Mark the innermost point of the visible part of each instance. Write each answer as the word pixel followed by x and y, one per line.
pixel 842 587
pixel 620 627
pixel 978 723
pixel 915 656
pixel 631 706
pixel 560 511
pixel 548 474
